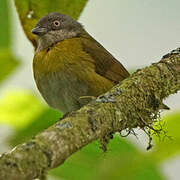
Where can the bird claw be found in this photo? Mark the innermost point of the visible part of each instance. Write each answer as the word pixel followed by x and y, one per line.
pixel 88 97
pixel 106 98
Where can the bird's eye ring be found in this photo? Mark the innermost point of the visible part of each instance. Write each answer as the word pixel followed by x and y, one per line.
pixel 56 23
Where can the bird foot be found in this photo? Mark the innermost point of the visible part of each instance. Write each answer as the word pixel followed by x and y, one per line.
pixel 88 97
pixel 106 98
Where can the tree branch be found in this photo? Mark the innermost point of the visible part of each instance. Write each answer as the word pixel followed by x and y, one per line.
pixel 135 102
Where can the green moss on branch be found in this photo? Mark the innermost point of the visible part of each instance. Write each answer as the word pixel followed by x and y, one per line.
pixel 135 102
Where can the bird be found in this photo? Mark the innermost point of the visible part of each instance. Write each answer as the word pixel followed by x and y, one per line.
pixel 69 63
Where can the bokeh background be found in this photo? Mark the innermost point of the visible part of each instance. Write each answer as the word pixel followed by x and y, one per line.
pixel 137 33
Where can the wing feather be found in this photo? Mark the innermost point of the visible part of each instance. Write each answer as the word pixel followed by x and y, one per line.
pixel 105 64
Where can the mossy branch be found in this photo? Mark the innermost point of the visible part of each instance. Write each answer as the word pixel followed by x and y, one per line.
pixel 135 102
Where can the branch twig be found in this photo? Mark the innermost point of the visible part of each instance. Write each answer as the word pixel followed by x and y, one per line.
pixel 135 102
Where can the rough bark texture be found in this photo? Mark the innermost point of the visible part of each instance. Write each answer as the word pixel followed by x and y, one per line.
pixel 135 102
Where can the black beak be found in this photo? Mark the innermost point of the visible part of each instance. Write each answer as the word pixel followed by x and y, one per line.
pixel 39 31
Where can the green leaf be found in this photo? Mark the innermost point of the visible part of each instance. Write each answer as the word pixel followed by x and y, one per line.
pixel 30 11
pixel 5 28
pixel 167 147
pixel 40 122
pixel 121 161
pixel 7 63
pixel 18 108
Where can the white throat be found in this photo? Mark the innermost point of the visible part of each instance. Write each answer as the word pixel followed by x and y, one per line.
pixel 52 37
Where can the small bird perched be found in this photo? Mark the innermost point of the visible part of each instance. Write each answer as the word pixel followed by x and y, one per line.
pixel 69 63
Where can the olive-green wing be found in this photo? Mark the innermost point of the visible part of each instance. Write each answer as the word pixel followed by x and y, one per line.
pixel 105 64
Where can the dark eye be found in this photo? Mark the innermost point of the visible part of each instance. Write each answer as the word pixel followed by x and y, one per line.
pixel 56 23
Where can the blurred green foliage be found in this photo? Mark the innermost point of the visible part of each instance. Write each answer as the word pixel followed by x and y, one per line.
pixel 121 161
pixel 23 111
pixel 38 123
pixel 166 147
pixel 5 24
pixel 8 62
pixel 18 108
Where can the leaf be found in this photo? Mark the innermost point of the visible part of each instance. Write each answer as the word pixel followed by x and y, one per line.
pixel 30 11
pixel 40 122
pixel 7 63
pixel 5 28
pixel 18 108
pixel 167 147
pixel 121 161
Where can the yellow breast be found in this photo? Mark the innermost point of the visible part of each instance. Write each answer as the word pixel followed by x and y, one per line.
pixel 61 56
pixel 64 72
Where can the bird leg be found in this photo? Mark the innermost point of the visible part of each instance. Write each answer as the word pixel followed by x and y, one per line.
pixel 88 97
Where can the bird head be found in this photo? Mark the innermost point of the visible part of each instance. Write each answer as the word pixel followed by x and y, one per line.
pixel 55 27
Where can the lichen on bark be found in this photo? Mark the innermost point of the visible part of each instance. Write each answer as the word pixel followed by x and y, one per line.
pixel 135 102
